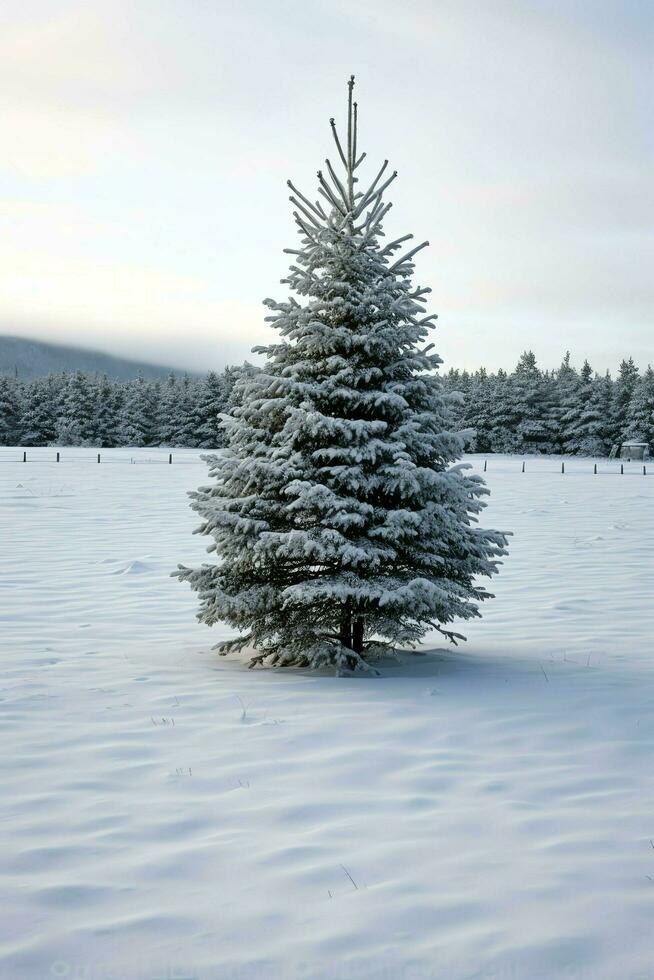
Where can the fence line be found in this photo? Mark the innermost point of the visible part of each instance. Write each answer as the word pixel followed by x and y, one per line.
pixel 25 456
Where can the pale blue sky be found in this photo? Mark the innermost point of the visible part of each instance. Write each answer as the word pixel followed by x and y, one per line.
pixel 146 145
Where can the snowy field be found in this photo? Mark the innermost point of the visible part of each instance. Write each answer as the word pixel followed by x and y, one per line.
pixel 486 812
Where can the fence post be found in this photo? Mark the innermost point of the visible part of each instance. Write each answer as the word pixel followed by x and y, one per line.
pixel 170 458
pixel 595 469
pixel 98 457
pixel 485 464
pixel 523 466
pixel 621 469
pixel 644 471
pixel 24 456
pixel 563 467
pixel 57 457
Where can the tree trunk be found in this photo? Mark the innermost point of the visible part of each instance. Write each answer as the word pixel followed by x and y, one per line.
pixel 346 625
pixel 357 635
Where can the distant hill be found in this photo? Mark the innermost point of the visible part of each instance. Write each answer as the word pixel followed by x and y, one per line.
pixel 33 358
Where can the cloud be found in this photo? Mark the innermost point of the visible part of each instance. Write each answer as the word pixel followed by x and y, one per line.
pixel 148 144
pixel 52 282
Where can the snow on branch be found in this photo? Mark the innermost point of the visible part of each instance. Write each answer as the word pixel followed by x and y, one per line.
pixel 338 142
pixel 407 258
pixel 317 207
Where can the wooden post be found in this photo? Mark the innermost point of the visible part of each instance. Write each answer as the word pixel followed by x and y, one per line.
pixel 595 469
pixel 170 457
pixel 98 457
pixel 563 467
pixel 621 469
pixel 644 471
pixel 485 464
pixel 57 457
pixel 24 456
pixel 523 466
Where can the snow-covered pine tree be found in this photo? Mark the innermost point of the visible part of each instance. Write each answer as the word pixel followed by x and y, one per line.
pixel 167 411
pixel 75 423
pixel 210 403
pixel 340 525
pixel 625 385
pixel 137 419
pixel 640 414
pixel 38 423
pixel 588 420
pixel 108 405
pixel 567 402
pixel 185 419
pixel 504 436
pixel 232 376
pixel 478 414
pixel 462 408
pixel 10 405
pixel 536 426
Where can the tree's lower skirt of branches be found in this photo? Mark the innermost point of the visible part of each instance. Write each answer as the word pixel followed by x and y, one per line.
pixel 326 653
pixel 323 653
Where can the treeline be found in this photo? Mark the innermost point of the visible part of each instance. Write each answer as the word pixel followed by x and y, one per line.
pixel 562 411
pixel 526 411
pixel 87 410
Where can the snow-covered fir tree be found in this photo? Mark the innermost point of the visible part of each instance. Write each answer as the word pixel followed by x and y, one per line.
pixel 167 423
pixel 340 525
pixel 77 410
pixel 185 419
pixel 586 424
pixel 38 423
pixel 504 415
pixel 184 410
pixel 479 415
pixel 567 402
pixel 210 403
pixel 107 406
pixel 503 410
pixel 536 426
pixel 137 423
pixel 625 385
pixel 640 414
pixel 10 411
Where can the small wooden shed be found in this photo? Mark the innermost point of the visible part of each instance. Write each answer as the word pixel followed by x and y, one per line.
pixel 634 450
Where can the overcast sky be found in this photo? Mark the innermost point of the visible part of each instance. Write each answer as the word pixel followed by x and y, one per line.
pixel 146 145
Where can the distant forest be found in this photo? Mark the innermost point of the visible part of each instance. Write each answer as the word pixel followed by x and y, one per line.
pixel 525 411
pixel 562 411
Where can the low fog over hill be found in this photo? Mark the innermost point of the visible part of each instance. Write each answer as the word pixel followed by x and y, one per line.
pixel 29 359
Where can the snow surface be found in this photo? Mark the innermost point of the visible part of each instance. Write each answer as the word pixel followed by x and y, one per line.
pixel 486 812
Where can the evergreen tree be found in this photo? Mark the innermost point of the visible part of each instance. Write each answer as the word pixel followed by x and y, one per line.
pixel 10 406
pixel 137 423
pixel 167 424
pixel 536 426
pixel 185 418
pixel 568 395
pixel 505 417
pixel 478 410
pixel 340 524
pixel 38 423
pixel 179 413
pixel 625 386
pixel 588 424
pixel 640 415
pixel 75 423
pixel 211 402
pixel 107 406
